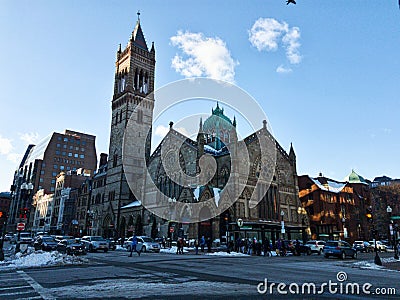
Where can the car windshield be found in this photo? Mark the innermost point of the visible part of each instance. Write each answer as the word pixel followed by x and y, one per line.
pixel 148 240
pixel 48 239
pixel 25 235
pixel 331 244
pixel 97 238
pixel 72 241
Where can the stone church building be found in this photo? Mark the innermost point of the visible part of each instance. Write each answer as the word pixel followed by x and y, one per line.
pixel 121 213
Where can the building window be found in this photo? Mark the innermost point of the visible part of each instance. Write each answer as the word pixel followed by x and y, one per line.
pixel 64 153
pixel 83 143
pixel 59 138
pixel 76 155
pixel 53 181
pixel 81 156
pixel 62 167
pixel 40 179
pixel 42 172
pixel 65 146
pixel 65 139
pixel 55 166
pixel 52 189
pixel 71 147
pixel 58 146
pixel 70 154
pixel 115 160
pixel 54 174
pixel 57 152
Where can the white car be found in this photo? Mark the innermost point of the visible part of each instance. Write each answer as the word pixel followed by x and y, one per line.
pixel 94 243
pixel 379 245
pixel 144 243
pixel 316 246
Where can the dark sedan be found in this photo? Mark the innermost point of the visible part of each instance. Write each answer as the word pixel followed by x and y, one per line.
pixel 45 243
pixel 71 247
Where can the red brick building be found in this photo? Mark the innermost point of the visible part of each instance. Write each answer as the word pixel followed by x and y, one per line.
pixel 336 210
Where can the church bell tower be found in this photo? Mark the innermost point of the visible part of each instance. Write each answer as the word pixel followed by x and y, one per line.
pixel 133 84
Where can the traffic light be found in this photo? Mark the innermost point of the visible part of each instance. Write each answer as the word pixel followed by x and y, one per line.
pixel 1 214
pixel 369 216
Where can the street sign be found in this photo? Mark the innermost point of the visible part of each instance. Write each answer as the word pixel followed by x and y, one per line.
pixel 20 226
pixel 171 229
pixel 240 222
pixel 395 218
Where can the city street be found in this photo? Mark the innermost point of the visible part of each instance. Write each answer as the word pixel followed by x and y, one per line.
pixel 169 276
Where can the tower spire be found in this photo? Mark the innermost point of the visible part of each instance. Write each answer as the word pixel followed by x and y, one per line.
pixel 138 15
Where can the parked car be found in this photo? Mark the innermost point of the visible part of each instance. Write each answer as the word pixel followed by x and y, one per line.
pixel 363 246
pixel 111 244
pixel 301 249
pixel 379 245
pixel 145 243
pixel 71 247
pixel 25 238
pixel 94 243
pixel 10 237
pixel 316 246
pixel 339 249
pixel 45 243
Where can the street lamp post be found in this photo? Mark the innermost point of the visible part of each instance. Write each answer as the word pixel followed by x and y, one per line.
pixel 389 211
pixel 396 249
pixel 283 224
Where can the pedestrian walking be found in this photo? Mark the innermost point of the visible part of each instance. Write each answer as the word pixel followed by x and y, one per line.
pixel 134 245
pixel 202 243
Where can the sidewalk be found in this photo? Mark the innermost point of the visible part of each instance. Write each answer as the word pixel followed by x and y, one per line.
pixel 391 263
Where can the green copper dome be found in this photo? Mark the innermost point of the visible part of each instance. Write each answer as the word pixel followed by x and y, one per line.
pixel 217 128
pixel 355 178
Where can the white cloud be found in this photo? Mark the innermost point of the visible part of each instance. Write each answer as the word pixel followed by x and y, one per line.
pixel 283 70
pixel 203 56
pixel 14 157
pixel 162 131
pixel 267 34
pixel 29 138
pixel 5 145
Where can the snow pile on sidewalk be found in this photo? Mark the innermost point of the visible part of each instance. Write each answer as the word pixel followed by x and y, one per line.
pixel 226 254
pixel 172 250
pixel 390 260
pixel 120 248
pixel 364 264
pixel 40 259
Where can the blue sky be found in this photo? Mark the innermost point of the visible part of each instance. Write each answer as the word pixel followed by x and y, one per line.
pixel 326 73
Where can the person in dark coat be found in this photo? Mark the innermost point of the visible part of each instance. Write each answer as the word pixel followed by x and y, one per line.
pixel 209 244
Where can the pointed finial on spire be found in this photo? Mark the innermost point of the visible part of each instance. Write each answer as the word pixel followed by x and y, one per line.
pixel 138 15
pixel 152 47
pixel 119 48
pixel 201 124
pixel 265 124
pixel 234 121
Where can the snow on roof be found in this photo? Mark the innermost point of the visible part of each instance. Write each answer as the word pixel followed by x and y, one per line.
pixel 208 148
pixel 135 203
pixel 331 186
pixel 216 195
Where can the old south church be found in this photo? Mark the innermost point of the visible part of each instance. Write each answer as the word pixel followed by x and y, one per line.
pixel 120 213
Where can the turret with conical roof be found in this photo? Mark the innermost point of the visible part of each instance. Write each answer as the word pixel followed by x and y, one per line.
pixel 353 177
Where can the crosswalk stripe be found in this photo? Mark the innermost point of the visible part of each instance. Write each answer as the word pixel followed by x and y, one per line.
pixel 14 287
pixel 36 286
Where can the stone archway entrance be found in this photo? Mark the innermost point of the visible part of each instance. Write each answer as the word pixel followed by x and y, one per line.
pixel 108 227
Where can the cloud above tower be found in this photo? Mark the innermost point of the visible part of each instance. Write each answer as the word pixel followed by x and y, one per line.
pixel 203 56
pixel 268 34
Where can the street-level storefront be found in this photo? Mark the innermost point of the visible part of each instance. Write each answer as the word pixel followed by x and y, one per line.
pixel 262 231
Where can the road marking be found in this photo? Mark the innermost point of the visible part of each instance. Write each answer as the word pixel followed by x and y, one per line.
pixel 36 286
pixel 13 287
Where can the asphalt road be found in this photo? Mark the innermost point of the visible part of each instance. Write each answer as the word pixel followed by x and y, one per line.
pixel 114 275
